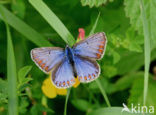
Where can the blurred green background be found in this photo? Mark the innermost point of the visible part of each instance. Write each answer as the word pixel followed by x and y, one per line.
pixel 122 68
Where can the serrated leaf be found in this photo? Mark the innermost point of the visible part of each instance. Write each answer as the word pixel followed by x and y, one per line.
pixel 131 40
pixel 132 9
pixel 93 3
pixel 23 80
pixel 23 72
pixel 134 41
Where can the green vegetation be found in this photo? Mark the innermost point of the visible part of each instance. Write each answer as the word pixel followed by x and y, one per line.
pixel 128 68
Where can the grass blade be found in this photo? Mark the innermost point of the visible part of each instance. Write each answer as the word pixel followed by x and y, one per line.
pixel 12 76
pixel 97 80
pixel 103 92
pixel 53 20
pixel 23 28
pixel 66 101
pixel 147 52
pixel 95 24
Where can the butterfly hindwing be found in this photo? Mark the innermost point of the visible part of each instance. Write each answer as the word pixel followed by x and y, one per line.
pixel 87 69
pixel 47 57
pixel 92 47
pixel 63 75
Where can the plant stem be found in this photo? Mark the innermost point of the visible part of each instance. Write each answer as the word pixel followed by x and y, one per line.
pixel 66 101
pixel 95 24
pixel 97 80
pixel 147 52
pixel 103 92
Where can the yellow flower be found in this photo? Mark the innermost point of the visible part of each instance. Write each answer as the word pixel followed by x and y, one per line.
pixel 51 91
pixel 77 82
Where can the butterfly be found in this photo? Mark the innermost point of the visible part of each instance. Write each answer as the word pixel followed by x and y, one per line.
pixel 72 62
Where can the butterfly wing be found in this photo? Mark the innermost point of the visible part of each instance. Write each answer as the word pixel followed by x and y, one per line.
pixel 92 47
pixel 87 69
pixel 47 57
pixel 63 75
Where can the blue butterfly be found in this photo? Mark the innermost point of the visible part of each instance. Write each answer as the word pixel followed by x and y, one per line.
pixel 69 63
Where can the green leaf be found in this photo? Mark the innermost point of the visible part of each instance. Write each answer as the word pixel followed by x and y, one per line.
pixel 22 79
pixel 18 8
pixel 132 9
pixel 109 70
pixel 124 82
pixel 116 57
pixel 3 91
pixel 23 28
pixel 81 104
pixel 131 40
pixel 23 72
pixel 53 20
pixel 108 111
pixel 12 76
pixel 129 62
pixel 147 47
pixel 37 109
pixel 92 3
pixel 24 103
pixel 136 92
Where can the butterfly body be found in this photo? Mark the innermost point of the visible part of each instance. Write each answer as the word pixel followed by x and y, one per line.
pixel 70 56
pixel 69 63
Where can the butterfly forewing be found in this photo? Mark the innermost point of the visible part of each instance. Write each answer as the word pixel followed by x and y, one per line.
pixel 47 58
pixel 92 47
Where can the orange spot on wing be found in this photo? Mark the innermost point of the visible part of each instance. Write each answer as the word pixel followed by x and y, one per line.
pixel 36 59
pixel 60 84
pixel 68 82
pixel 72 80
pixel 89 76
pixel 46 68
pixel 80 78
pixel 43 65
pixel 101 46
pixel 102 42
pixel 98 55
pixel 64 83
pixel 39 62
pixel 93 75
pixel 100 50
